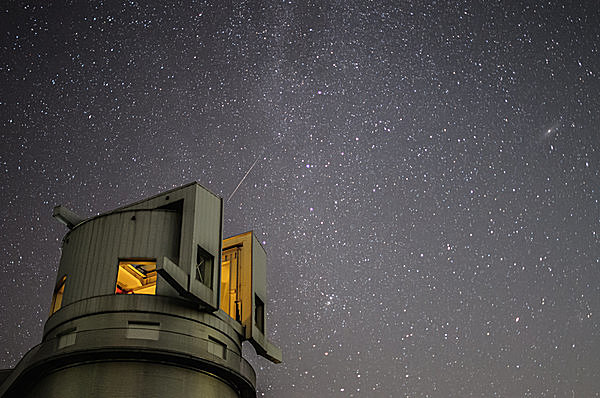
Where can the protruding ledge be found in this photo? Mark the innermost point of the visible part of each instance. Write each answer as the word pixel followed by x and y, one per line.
pixel 66 216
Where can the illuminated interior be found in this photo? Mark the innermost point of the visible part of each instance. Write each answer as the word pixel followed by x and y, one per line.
pixel 58 296
pixel 230 288
pixel 136 277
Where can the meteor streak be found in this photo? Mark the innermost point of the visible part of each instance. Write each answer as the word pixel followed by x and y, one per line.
pixel 244 177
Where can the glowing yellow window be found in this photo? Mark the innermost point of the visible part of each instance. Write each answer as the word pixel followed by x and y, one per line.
pixel 58 296
pixel 136 277
pixel 230 300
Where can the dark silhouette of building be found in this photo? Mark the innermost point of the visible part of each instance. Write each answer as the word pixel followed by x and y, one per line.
pixel 150 301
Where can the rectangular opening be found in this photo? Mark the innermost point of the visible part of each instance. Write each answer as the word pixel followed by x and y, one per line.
pixel 230 283
pixel 67 338
pixel 57 297
pixel 204 267
pixel 136 277
pixel 216 347
pixel 259 314
pixel 176 207
pixel 143 330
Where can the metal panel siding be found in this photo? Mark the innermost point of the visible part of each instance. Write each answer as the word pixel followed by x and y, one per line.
pixel 126 239
pixel 112 257
pixel 200 224
pixel 137 246
pixel 206 224
pixel 80 266
pixel 155 226
pixel 151 380
pixel 207 231
pixel 135 242
pixel 161 225
pixel 68 259
pixel 72 286
pixel 259 277
pixel 142 235
pixel 88 278
pixel 172 247
pixel 100 261
pixel 183 255
pixel 187 233
pixel 90 257
pixel 92 274
pixel 85 255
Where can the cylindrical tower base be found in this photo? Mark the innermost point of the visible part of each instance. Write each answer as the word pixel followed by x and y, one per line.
pixel 135 346
pixel 130 379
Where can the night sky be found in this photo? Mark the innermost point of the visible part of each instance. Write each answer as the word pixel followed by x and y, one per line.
pixel 424 176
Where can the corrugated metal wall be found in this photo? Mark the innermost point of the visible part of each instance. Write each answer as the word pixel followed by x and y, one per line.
pixel 91 252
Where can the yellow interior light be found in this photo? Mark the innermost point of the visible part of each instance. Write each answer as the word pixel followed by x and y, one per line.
pixel 58 296
pixel 136 277
pixel 230 282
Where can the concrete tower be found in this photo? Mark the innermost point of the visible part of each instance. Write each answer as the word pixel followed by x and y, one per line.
pixel 150 301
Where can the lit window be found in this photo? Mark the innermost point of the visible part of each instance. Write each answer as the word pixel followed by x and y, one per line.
pixel 57 297
pixel 230 302
pixel 136 277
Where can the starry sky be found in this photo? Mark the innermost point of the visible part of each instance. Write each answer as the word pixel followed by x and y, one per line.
pixel 423 175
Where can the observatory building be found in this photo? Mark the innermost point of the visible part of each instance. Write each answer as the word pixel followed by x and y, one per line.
pixel 150 301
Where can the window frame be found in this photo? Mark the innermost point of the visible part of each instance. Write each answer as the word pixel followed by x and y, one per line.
pixel 58 295
pixel 151 275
